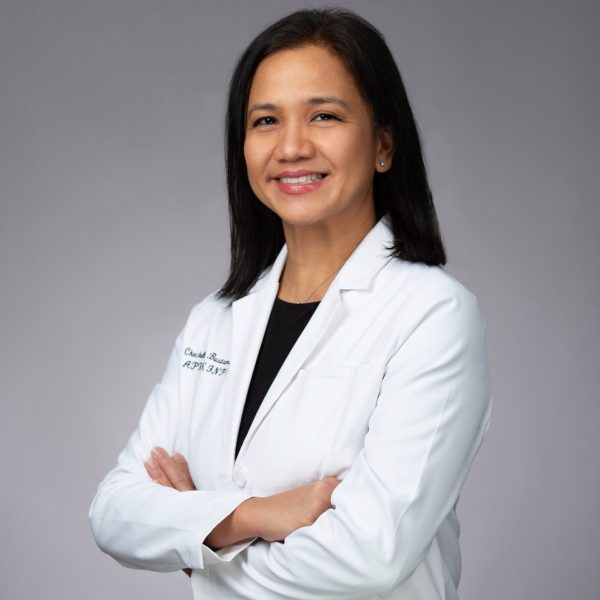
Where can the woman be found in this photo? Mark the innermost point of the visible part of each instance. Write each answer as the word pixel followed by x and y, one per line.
pixel 330 397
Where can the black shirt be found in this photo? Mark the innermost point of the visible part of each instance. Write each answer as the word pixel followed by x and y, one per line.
pixel 285 325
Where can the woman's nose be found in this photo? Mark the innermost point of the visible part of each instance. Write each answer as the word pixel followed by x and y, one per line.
pixel 294 142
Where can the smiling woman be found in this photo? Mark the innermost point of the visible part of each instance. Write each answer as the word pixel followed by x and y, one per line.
pixel 321 410
pixel 311 146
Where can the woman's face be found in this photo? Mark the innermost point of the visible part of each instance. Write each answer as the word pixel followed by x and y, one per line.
pixel 310 148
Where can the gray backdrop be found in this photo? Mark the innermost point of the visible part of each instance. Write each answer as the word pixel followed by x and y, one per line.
pixel 113 224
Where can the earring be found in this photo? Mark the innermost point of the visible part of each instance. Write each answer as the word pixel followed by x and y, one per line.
pixel 382 163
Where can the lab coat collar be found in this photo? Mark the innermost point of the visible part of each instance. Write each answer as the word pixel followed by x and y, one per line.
pixel 363 264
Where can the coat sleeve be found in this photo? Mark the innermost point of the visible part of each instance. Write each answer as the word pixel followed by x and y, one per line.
pixel 148 526
pixel 432 412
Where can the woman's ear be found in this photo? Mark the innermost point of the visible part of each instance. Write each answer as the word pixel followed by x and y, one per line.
pixel 385 149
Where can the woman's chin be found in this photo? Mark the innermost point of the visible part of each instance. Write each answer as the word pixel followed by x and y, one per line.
pixel 302 217
pixel 299 222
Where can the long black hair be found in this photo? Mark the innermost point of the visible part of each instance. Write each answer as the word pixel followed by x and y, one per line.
pixel 402 192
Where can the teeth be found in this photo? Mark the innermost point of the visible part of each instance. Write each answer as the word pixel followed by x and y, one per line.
pixel 303 179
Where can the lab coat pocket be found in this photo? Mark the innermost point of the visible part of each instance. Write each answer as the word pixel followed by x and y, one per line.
pixel 327 372
pixel 322 392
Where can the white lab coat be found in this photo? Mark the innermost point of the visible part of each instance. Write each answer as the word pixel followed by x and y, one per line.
pixel 386 388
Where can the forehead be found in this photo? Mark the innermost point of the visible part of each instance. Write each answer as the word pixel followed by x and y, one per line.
pixel 301 72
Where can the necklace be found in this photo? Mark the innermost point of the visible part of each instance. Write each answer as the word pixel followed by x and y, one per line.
pixel 320 285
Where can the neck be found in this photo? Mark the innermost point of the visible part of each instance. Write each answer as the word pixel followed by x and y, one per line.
pixel 315 255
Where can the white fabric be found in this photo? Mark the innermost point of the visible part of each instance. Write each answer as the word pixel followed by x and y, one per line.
pixel 386 388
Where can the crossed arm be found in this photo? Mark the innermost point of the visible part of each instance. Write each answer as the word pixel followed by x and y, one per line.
pixel 271 518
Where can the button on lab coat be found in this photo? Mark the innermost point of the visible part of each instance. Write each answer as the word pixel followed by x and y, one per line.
pixel 386 388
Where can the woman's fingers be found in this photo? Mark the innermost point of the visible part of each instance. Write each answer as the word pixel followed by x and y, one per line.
pixel 181 462
pixel 154 470
pixel 183 467
pixel 175 469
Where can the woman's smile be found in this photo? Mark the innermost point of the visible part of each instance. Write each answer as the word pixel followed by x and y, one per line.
pixel 299 182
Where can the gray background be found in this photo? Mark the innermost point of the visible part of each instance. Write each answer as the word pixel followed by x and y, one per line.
pixel 113 224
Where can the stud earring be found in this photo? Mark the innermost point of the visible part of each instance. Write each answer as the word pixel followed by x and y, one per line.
pixel 381 163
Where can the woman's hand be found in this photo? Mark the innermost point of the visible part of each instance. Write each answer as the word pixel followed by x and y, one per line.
pixel 274 517
pixel 170 471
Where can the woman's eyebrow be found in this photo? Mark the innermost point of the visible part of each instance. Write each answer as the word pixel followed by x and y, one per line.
pixel 328 100
pixel 262 106
pixel 315 101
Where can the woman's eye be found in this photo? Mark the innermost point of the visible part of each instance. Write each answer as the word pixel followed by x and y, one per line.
pixel 264 121
pixel 325 117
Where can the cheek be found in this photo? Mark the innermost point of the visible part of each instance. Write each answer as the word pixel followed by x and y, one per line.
pixel 366 153
pixel 248 157
pixel 356 149
pixel 254 169
pixel 356 158
pixel 256 160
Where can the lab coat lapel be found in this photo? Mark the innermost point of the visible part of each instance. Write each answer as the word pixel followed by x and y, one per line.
pixel 250 316
pixel 319 322
pixel 367 259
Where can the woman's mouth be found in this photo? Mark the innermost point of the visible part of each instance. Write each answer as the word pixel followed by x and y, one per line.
pixel 303 179
pixel 302 184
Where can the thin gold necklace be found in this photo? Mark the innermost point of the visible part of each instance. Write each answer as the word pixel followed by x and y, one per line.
pixel 320 285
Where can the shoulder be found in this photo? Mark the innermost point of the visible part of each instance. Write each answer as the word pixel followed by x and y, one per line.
pixel 429 283
pixel 210 312
pixel 211 304
pixel 435 302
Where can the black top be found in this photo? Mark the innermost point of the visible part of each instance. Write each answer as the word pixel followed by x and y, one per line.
pixel 285 325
